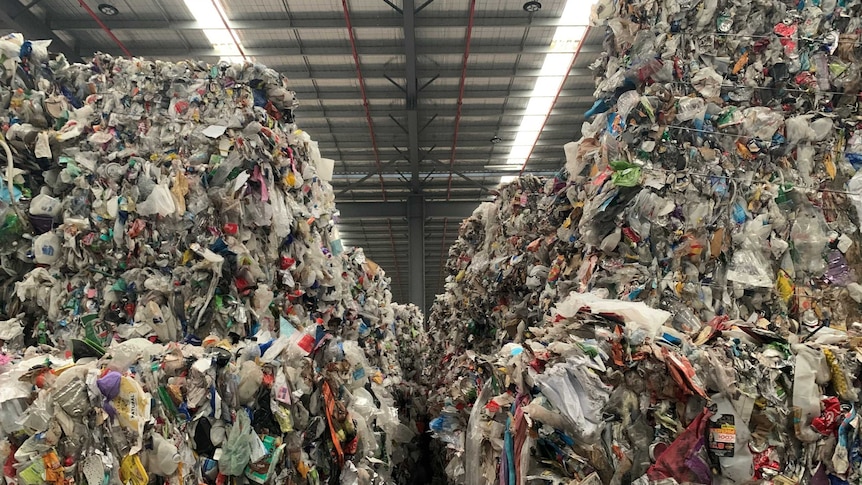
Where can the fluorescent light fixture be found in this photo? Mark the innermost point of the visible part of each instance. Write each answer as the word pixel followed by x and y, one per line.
pixel 569 34
pixel 555 64
pixel 546 85
pixel 525 138
pixel 209 15
pixel 502 168
pixel 520 152
pixel 533 122
pixel 539 106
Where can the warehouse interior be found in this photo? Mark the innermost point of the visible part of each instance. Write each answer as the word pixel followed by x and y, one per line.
pixel 424 106
pixel 428 242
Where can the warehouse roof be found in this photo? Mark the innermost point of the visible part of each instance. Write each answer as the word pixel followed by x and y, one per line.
pixel 419 130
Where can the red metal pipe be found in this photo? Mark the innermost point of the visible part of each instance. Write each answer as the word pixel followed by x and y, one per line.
pixel 364 96
pixel 461 85
pixel 556 97
pixel 368 119
pixel 105 27
pixel 229 30
pixel 461 94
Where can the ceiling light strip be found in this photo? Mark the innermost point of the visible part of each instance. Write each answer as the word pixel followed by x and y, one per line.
pixel 553 75
pixel 229 30
pixel 556 97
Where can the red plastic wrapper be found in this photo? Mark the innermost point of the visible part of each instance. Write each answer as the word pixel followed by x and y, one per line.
pixel 763 462
pixel 785 29
pixel 830 417
pixel 685 460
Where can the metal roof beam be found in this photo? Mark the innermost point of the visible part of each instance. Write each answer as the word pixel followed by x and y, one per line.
pixel 400 209
pixel 411 89
pixel 299 23
pixel 367 242
pixel 469 111
pixel 416 241
pixel 478 129
pixel 473 166
pixel 440 93
pixel 336 49
pixel 346 144
pixel 445 72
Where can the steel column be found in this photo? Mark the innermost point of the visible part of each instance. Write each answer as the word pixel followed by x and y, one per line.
pixel 416 250
pixel 411 89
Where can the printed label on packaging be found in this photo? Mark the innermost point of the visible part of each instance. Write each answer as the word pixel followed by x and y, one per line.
pixel 358 373
pixel 282 394
pixel 722 436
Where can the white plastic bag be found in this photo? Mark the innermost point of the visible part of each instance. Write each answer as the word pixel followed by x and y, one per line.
pixel 159 202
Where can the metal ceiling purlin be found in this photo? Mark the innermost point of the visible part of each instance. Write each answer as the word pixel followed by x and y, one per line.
pixel 461 88
pixel 395 210
pixel 328 49
pixel 311 23
pixel 362 91
pixel 361 81
pixel 411 89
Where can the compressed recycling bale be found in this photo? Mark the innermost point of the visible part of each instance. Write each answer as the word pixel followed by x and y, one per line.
pixel 178 302
pixel 679 304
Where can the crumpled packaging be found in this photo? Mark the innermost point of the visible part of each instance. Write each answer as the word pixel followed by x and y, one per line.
pixel 715 184
pixel 177 295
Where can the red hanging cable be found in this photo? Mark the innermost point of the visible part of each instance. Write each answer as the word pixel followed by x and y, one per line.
pixel 105 27
pixel 229 30
pixel 370 122
pixel 461 86
pixel 556 97
pixel 364 96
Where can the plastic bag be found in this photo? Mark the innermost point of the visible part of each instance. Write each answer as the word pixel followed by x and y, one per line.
pixel 686 459
pixel 625 174
pixel 809 240
pixel 798 129
pixel 707 82
pixel 237 450
pixel 806 393
pixel 761 122
pixel 577 396
pixel 160 201
pixel 690 108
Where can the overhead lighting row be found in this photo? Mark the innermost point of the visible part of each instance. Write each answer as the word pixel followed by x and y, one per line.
pixel 209 15
pixel 567 38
